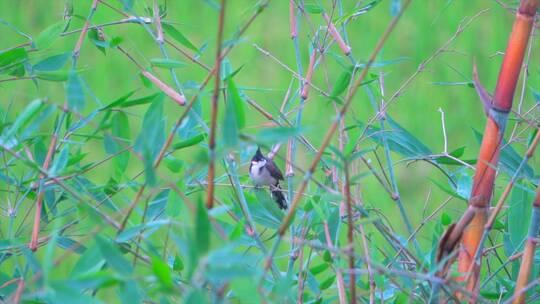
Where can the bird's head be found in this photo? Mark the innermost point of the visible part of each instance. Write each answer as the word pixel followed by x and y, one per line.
pixel 258 157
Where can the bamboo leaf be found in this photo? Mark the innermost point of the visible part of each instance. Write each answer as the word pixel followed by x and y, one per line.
pixel 60 162
pixel 237 101
pixel 190 142
pixel 11 58
pixel 23 118
pixel 448 190
pixel 519 205
pixel 120 130
pixel 113 256
pixel 74 92
pixel 49 35
pixel 162 272
pixel 167 63
pixel 52 63
pixel 327 283
pixel 399 140
pixel 61 75
pixel 342 83
pixel 312 7
pixel 202 229
pixel 230 125
pixel 152 136
pixel 178 36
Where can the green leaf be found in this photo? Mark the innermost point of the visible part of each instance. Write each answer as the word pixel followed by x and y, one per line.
pixel 120 130
pixel 230 126
pixel 356 12
pixel 519 210
pixel 52 63
pixel 60 161
pixel 129 233
pixel 74 92
pixel 113 256
pixel 190 142
pixel 446 219
pixel 49 35
pixel 152 137
pixel 118 101
pixel 399 140
pixel 311 7
pixel 167 63
pixel 202 229
pixel 448 190
pixel 124 102
pixel 327 283
pixel 319 268
pixel 70 244
pixel 12 57
pixel 342 83
pixel 90 261
pixel 238 102
pixel 24 118
pixel 178 265
pixel 52 75
pixel 94 37
pixel 178 36
pixel 265 210
pixel 162 272
pixel 174 164
pixel 174 204
pixel 457 153
pixel 115 41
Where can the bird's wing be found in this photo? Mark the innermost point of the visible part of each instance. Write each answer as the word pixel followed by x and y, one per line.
pixel 274 170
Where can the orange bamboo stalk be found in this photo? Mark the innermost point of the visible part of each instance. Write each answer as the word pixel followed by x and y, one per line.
pixel 292 19
pixel 491 143
pixel 309 74
pixel 41 193
pixel 346 49
pixel 528 253
pixel 213 121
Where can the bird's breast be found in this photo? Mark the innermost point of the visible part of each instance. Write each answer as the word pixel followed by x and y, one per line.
pixel 261 176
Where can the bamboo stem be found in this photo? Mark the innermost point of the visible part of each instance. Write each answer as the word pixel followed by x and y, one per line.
pixel 528 253
pixel 350 234
pixel 213 119
pixel 484 177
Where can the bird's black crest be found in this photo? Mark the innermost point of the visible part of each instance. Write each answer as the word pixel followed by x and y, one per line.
pixel 258 155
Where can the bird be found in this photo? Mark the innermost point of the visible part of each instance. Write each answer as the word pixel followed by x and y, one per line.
pixel 264 172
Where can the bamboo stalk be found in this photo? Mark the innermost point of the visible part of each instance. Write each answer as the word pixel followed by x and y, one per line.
pixel 339 274
pixel 484 177
pixel 41 193
pixel 213 120
pixel 528 253
pixel 350 234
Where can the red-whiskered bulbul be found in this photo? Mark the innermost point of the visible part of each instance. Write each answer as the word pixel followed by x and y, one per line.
pixel 264 172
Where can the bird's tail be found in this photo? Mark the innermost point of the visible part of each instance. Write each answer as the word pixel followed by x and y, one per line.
pixel 277 194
